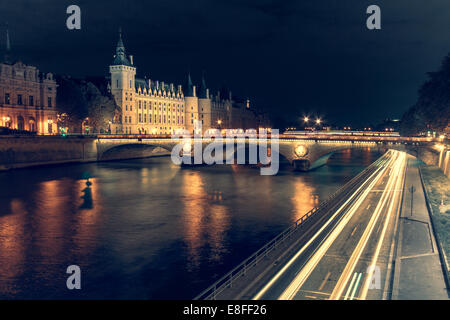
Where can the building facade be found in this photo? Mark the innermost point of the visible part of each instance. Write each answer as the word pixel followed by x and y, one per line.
pixel 156 107
pixel 27 96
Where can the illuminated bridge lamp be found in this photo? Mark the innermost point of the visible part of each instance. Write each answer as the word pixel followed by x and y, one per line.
pixel 301 150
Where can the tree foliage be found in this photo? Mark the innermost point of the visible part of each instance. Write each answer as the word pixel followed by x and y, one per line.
pixel 432 109
pixel 81 99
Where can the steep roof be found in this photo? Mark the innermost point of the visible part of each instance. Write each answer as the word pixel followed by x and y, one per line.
pixel 202 94
pixel 189 91
pixel 120 57
pixel 144 83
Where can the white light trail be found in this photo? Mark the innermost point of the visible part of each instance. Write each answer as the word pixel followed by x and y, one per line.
pixel 296 284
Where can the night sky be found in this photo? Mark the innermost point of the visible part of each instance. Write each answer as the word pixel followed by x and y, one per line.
pixel 289 57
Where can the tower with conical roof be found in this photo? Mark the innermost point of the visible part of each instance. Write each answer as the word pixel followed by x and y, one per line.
pixel 190 88
pixel 123 75
pixel 120 57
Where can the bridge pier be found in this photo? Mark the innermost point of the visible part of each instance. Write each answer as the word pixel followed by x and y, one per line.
pixel 301 164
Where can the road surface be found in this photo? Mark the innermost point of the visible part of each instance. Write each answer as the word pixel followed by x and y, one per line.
pixel 350 256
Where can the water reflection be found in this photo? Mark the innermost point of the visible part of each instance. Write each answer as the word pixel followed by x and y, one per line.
pixel 142 227
pixel 304 199
pixel 12 246
pixel 205 219
pixel 195 202
pixel 86 221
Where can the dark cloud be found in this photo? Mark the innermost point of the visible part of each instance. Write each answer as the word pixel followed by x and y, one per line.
pixel 288 56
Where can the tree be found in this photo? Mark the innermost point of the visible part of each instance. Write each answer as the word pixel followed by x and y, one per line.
pixel 81 99
pixel 70 100
pixel 100 108
pixel 432 109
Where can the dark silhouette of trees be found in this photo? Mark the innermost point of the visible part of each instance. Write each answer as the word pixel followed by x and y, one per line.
pixel 81 99
pixel 432 110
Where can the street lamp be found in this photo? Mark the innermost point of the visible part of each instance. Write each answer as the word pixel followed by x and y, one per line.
pixel 318 121
pixel 5 120
pixel 305 119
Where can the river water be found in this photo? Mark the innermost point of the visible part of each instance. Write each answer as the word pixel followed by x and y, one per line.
pixel 146 228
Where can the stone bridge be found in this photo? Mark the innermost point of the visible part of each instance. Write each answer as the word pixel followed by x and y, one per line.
pixel 303 154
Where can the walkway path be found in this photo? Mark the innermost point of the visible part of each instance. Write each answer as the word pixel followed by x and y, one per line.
pixel 418 272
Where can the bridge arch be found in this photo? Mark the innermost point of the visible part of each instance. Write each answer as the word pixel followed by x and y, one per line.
pixel 130 150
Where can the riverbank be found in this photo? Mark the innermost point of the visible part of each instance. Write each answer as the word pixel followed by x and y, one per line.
pixel 437 187
pixel 35 151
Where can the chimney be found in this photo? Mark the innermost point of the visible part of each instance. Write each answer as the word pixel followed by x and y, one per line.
pixel 149 84
pixel 207 93
pixel 157 85
pixel 193 91
pixel 179 88
pixel 131 60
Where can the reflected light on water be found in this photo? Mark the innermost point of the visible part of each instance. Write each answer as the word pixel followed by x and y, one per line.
pixel 304 199
pixel 143 225
pixel 195 201
pixel 218 224
pixel 205 218
pixel 12 248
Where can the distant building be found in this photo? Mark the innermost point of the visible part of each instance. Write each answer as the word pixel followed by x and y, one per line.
pixel 27 96
pixel 156 107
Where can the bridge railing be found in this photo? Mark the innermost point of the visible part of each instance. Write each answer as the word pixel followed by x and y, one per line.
pixel 228 279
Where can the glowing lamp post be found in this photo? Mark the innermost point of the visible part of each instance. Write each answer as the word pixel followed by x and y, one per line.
pixel 5 120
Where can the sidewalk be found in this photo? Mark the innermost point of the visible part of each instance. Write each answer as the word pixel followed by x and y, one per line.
pixel 418 272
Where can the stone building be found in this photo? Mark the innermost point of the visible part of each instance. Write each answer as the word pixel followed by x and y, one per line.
pixel 27 96
pixel 156 107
